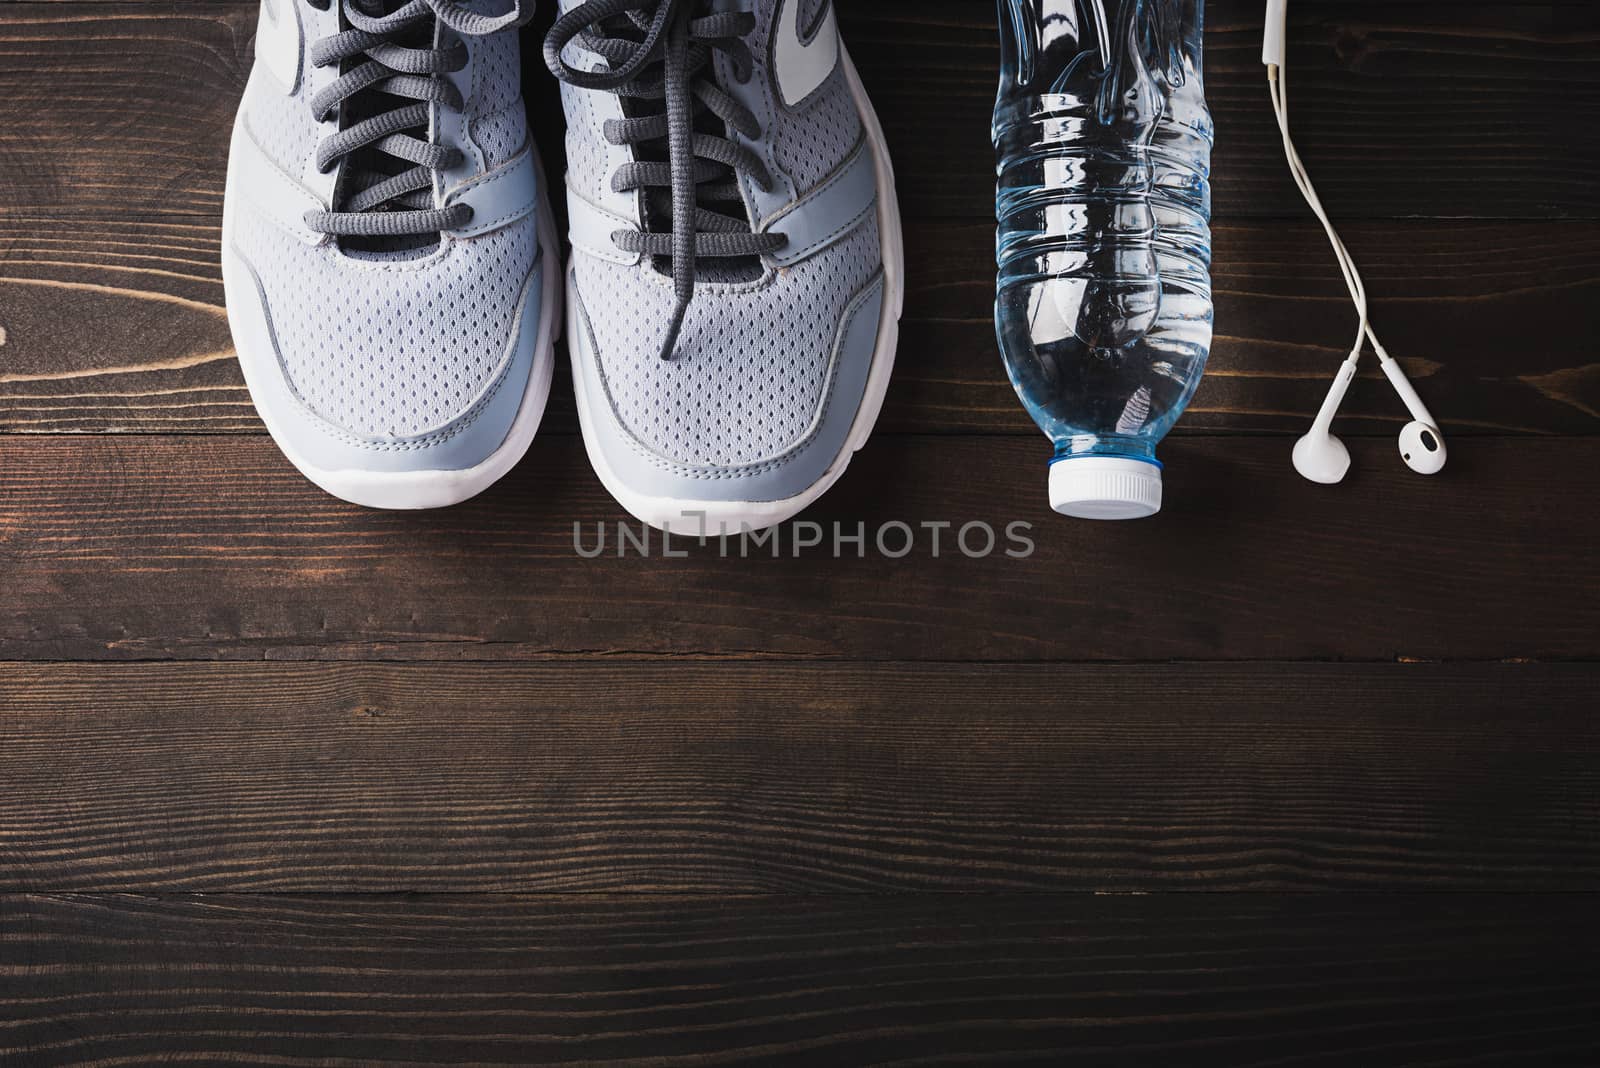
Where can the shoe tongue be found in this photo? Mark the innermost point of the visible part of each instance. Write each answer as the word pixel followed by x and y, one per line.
pixel 379 8
pixel 369 161
pixel 726 272
pixel 657 202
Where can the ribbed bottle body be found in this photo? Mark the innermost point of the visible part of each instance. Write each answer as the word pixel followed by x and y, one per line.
pixel 1103 140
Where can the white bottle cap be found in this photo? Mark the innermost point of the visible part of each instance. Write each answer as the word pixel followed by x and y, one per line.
pixel 1105 487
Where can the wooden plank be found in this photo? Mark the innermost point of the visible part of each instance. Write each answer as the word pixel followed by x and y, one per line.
pixel 752 778
pixel 139 547
pixel 1172 979
pixel 114 327
pixel 119 327
pixel 1405 109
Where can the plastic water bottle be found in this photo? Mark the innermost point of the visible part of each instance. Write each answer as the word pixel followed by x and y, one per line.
pixel 1104 246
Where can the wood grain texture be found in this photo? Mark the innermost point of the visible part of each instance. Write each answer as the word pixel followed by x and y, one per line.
pixel 755 778
pixel 1405 109
pixel 119 327
pixel 1197 980
pixel 144 547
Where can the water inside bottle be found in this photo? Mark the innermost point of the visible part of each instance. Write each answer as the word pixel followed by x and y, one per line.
pixel 1103 138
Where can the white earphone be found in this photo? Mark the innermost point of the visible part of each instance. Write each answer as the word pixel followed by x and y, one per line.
pixel 1319 455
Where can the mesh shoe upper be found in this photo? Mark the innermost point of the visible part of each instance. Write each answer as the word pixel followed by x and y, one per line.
pixel 390 342
pixel 390 346
pixel 753 360
pixel 752 363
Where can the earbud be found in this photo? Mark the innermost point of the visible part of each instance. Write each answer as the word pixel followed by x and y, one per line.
pixel 1319 455
pixel 1421 444
pixel 1422 448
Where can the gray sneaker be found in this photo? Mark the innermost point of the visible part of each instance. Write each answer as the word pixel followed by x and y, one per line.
pixel 388 255
pixel 735 285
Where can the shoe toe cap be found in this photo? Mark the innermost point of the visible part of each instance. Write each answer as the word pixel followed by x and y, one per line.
pixel 393 420
pixel 726 485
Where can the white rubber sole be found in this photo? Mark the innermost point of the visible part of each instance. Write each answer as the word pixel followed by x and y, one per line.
pixel 681 515
pixel 416 490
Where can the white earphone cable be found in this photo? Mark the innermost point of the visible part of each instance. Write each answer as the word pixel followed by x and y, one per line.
pixel 1277 83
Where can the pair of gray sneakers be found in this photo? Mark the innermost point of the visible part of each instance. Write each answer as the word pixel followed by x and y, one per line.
pixel 732 299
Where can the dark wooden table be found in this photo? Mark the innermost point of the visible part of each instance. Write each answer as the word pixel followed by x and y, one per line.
pixel 1288 776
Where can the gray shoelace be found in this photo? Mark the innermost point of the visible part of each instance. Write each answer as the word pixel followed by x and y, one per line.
pixel 662 50
pixel 376 204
